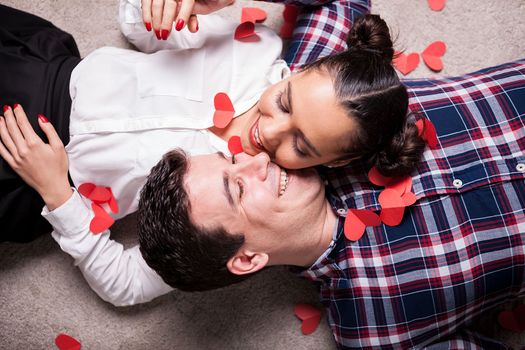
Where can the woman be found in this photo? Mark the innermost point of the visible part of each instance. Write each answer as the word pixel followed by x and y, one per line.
pixel 129 108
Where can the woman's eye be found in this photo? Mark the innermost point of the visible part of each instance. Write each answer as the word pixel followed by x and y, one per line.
pixel 296 148
pixel 279 102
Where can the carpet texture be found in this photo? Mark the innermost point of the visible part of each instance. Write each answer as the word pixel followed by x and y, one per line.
pixel 42 294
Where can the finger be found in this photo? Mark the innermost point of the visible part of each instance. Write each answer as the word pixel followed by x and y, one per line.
pixel 186 8
pixel 23 124
pixel 193 24
pixel 6 138
pixel 4 153
pixel 12 127
pixel 146 14
pixel 52 135
pixel 170 9
pixel 156 12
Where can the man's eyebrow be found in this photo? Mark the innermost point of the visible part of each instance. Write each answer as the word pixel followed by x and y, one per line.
pixel 227 192
pixel 226 183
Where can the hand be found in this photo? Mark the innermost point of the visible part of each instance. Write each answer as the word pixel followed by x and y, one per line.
pixel 161 14
pixel 42 166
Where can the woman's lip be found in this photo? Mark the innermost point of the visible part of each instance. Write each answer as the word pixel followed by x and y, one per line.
pixel 253 141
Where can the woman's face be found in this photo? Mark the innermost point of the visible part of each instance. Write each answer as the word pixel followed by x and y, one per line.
pixel 299 122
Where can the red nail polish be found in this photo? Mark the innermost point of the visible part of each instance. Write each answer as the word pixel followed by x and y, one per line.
pixel 148 26
pixel 157 34
pixel 6 108
pixel 164 34
pixel 15 106
pixel 42 118
pixel 180 24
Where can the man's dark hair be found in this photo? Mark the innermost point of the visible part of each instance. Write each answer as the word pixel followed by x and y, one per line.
pixel 186 256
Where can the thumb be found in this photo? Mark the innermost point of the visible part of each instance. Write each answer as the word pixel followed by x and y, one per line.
pixel 49 130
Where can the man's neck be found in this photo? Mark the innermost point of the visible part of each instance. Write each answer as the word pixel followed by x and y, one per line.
pixel 314 242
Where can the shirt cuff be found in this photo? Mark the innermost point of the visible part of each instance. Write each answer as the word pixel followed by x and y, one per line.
pixel 71 217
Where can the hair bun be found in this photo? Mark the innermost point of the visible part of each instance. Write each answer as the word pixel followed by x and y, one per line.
pixel 371 33
pixel 401 156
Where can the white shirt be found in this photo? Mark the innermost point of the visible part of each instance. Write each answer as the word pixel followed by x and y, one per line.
pixel 128 109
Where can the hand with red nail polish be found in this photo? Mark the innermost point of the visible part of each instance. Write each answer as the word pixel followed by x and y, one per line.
pixel 162 15
pixel 43 166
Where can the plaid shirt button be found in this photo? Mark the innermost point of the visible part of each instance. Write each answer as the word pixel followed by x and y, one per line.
pixel 520 167
pixel 457 183
pixel 342 211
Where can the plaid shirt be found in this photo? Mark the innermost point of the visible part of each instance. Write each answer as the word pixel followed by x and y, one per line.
pixel 460 250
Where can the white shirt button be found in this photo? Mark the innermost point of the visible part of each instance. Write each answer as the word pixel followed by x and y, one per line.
pixel 457 183
pixel 520 167
pixel 341 211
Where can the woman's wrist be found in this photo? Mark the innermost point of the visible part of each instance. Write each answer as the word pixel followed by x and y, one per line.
pixel 57 196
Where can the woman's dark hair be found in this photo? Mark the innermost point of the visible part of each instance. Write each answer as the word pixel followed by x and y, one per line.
pixel 186 256
pixel 369 88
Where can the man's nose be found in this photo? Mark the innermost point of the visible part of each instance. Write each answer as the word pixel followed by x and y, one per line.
pixel 256 166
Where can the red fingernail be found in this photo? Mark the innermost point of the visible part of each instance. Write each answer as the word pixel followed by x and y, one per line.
pixel 15 106
pixel 42 118
pixel 148 26
pixel 6 108
pixel 165 34
pixel 157 34
pixel 180 24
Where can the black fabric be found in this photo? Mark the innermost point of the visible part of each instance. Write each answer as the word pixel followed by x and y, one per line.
pixel 36 61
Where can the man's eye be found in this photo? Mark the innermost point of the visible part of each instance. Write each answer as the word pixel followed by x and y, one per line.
pixel 241 189
pixel 279 102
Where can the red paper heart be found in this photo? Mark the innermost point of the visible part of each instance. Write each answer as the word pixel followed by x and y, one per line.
pixel 356 222
pixel 253 14
pixel 97 194
pixel 290 13
pixel 286 31
pixel 409 198
pixel 377 179
pixel 113 205
pixel 392 207
pixel 436 5
pixel 85 189
pixel 101 221
pixel 513 320
pixel 65 342
pixel 244 30
pixel 224 111
pixel 432 55
pixel 235 145
pixel 428 132
pixel 310 315
pixel 406 63
pixel 400 184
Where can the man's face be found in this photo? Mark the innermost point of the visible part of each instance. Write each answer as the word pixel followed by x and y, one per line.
pixel 253 196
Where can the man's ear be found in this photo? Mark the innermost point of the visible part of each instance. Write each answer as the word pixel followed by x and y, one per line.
pixel 245 262
pixel 338 163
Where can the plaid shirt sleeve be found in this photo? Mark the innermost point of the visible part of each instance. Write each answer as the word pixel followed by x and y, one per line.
pixel 321 28
pixel 468 340
pixel 460 249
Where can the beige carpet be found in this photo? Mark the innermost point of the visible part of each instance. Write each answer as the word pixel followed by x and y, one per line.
pixel 43 294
